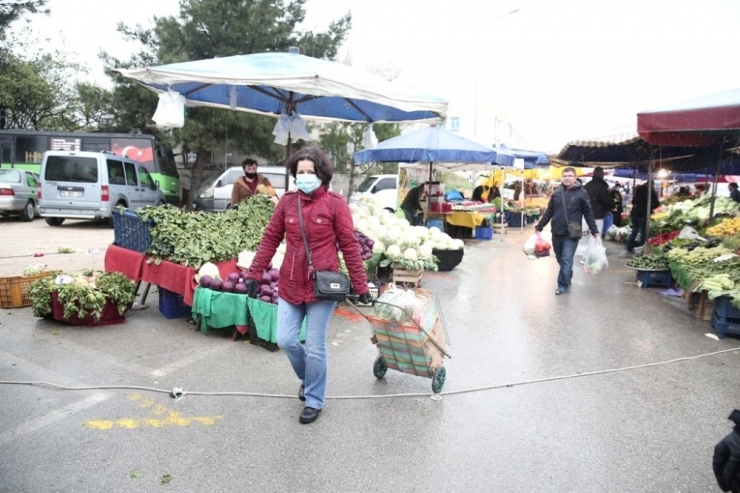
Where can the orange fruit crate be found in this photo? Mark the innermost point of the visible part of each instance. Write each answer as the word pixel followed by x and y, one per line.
pixel 14 290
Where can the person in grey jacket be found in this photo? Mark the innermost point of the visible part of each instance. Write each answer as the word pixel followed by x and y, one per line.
pixel 571 195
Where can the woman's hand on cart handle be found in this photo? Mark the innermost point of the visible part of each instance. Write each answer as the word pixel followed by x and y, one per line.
pixel 253 287
pixel 365 298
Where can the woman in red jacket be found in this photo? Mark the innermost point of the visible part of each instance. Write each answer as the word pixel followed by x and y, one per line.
pixel 328 225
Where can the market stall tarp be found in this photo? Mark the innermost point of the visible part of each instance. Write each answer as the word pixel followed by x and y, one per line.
pixel 698 122
pixel 277 83
pixel 616 150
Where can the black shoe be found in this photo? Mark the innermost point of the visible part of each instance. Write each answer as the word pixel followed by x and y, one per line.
pixel 309 415
pixel 301 394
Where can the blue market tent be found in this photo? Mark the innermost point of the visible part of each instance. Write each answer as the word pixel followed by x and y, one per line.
pixel 428 145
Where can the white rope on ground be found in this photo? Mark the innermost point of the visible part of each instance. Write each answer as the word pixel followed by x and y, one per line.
pixel 179 394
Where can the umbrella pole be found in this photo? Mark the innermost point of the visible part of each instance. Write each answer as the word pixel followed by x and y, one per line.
pixel 649 201
pixel 503 207
pixel 288 149
pixel 521 221
pixel 714 185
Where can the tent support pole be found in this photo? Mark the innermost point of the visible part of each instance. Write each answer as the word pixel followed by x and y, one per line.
pixel 503 207
pixel 714 184
pixel 649 199
pixel 288 150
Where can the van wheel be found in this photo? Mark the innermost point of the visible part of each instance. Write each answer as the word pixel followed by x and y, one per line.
pixel 28 211
pixel 54 221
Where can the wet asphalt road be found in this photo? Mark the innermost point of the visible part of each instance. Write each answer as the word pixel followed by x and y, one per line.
pixel 649 429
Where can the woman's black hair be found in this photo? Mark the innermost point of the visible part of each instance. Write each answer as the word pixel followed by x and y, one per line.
pixel 323 166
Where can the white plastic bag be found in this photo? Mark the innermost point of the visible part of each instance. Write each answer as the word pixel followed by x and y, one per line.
pixel 688 233
pixel 170 111
pixel 595 260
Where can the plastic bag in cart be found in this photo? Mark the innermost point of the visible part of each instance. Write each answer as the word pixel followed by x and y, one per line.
pixel 595 259
pixel 403 306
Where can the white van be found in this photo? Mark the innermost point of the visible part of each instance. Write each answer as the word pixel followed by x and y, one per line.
pixel 383 189
pixel 90 185
pixel 215 195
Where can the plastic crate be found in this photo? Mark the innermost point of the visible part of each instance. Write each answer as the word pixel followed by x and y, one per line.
pixel 723 307
pixel 130 232
pixel 648 279
pixel 14 290
pixel 436 222
pixel 516 219
pixel 724 326
pixel 483 233
pixel 171 305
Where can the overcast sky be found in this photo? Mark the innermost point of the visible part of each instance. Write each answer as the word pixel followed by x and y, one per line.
pixel 560 69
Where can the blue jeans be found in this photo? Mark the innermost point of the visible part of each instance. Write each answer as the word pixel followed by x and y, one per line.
pixel 565 250
pixel 639 224
pixel 309 362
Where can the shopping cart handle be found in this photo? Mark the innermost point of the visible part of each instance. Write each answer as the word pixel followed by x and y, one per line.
pixel 356 297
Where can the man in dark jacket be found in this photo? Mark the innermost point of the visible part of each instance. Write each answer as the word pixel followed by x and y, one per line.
pixel 572 200
pixel 639 212
pixel 598 194
pixel 726 460
pixel 411 204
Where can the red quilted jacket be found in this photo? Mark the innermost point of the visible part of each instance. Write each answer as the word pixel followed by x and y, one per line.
pixel 328 223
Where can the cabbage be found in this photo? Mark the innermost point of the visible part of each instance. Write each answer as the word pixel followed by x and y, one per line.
pixel 33 270
pixel 434 230
pixel 456 244
pixel 205 280
pixel 240 288
pixel 233 277
pixel 446 238
pixel 227 286
pixel 208 269
pixel 378 247
pixel 403 223
pixel 216 284
pixel 393 252
pixel 410 254
pixel 425 251
pixel 441 245
pixel 362 224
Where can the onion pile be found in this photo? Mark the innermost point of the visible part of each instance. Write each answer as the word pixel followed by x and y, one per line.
pixel 235 283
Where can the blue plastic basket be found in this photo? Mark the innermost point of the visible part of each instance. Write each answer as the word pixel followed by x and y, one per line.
pixel 130 232
pixel 723 308
pixel 483 233
pixel 436 222
pixel 724 326
pixel 171 305
pixel 648 279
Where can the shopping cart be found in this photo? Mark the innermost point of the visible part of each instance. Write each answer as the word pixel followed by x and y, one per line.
pixel 418 348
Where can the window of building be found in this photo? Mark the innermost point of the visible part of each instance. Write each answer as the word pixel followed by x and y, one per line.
pixel 455 124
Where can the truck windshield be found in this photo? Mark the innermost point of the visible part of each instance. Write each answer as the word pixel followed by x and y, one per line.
pixel 367 184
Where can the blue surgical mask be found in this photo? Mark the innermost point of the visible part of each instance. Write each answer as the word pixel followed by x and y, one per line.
pixel 307 183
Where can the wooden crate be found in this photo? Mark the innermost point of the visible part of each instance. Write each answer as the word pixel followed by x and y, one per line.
pixel 403 276
pixel 705 309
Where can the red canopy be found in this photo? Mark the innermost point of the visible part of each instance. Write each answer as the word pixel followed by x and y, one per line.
pixel 703 121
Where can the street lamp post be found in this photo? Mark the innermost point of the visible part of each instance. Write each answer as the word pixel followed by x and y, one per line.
pixel 475 103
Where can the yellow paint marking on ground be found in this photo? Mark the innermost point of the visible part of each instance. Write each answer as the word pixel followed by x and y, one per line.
pixel 165 417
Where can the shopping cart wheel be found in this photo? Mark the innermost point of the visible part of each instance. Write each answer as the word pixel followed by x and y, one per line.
pixel 379 367
pixel 438 380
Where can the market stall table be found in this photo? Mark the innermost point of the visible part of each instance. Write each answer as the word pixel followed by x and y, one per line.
pixel 174 277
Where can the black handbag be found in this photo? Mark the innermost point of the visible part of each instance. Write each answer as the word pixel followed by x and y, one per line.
pixel 575 232
pixel 327 285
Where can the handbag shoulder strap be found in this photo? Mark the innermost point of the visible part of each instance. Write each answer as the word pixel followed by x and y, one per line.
pixel 303 234
pixel 565 204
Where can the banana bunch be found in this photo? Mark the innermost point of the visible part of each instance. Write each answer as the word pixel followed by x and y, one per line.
pixel 718 282
pixel 728 227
